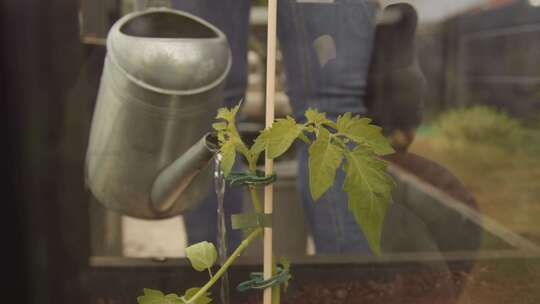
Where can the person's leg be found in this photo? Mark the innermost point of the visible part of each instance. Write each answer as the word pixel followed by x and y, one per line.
pixel 326 49
pixel 232 17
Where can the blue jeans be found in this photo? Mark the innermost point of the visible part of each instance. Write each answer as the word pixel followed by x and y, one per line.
pixel 326 47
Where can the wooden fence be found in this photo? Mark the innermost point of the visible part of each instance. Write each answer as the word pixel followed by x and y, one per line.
pixel 486 57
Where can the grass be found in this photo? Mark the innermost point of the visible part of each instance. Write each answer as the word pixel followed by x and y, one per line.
pixel 498 159
pixel 505 179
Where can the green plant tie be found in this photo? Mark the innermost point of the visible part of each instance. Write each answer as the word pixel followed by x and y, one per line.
pixel 259 178
pixel 257 280
pixel 243 221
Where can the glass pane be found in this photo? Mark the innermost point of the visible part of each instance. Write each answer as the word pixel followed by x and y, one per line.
pixel 406 148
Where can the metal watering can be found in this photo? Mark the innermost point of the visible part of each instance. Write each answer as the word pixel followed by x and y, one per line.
pixel 161 86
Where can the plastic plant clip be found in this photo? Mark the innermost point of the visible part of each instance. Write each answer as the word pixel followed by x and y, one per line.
pixel 249 179
pixel 243 221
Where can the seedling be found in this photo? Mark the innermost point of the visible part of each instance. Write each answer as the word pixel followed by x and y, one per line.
pixel 351 143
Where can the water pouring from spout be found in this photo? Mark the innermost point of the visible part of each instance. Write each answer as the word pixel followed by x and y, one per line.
pixel 219 185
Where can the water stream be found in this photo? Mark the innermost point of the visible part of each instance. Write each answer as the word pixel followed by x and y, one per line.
pixel 219 184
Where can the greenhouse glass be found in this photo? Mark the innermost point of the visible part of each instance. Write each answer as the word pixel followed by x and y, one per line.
pixel 274 151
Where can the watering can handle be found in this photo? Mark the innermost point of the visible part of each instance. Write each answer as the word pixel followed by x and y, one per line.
pixel 144 4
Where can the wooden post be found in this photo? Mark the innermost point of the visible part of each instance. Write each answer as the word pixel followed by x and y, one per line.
pixel 269 163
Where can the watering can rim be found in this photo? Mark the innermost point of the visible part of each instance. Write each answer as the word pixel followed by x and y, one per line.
pixel 220 36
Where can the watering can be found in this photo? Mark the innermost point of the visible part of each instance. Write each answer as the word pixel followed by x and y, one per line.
pixel 160 89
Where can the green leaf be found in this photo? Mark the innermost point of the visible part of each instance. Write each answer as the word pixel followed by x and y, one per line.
pixel 219 126
pixel 229 115
pixel 260 143
pixel 229 139
pixel 228 156
pixel 174 297
pixel 315 117
pixel 221 137
pixel 284 261
pixel 277 139
pixel 286 267
pixel 369 191
pixel 152 292
pixel 204 299
pixel 304 138
pixel 324 159
pixel 362 132
pixel 202 255
pixel 152 296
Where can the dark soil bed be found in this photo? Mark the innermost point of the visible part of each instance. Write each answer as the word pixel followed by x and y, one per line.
pixel 489 282
pixel 403 289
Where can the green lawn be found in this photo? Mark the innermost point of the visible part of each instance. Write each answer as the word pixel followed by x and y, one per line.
pixel 505 181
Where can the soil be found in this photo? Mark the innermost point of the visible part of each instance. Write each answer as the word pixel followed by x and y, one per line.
pixel 403 289
pixel 489 282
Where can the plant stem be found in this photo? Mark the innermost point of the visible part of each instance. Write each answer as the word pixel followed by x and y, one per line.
pixel 245 243
pixel 255 199
pixel 276 289
pixel 252 161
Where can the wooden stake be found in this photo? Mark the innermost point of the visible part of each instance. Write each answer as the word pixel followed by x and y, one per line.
pixel 269 163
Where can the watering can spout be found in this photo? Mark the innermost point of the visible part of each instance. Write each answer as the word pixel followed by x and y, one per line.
pixel 172 182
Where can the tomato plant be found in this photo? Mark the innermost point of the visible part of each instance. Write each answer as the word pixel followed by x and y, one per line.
pixel 351 143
